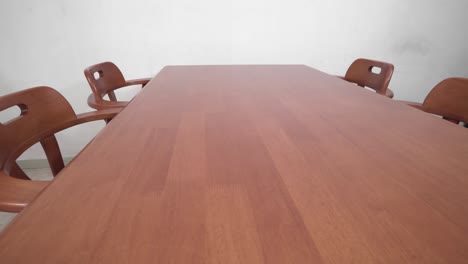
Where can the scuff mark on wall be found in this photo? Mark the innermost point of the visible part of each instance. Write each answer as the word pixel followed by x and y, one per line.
pixel 412 46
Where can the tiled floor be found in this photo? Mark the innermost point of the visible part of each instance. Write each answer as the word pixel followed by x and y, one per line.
pixel 35 174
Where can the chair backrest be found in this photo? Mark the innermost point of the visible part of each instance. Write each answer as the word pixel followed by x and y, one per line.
pixel 41 109
pixel 449 99
pixel 365 73
pixel 104 78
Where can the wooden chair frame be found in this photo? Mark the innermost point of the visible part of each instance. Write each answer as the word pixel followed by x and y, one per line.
pixel 449 99
pixel 44 112
pixel 104 78
pixel 361 73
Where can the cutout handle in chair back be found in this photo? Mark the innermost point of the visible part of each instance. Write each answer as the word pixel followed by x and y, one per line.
pixel 12 113
pixel 104 78
pixel 449 99
pixel 370 73
pixel 376 70
pixel 41 108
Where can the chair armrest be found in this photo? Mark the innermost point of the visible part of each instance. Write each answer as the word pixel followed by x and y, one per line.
pixel 96 115
pixel 413 104
pixel 80 119
pixel 16 194
pixel 389 93
pixel 142 81
pixel 105 104
pixel 105 115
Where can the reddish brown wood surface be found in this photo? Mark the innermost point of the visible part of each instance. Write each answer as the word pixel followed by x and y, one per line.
pixel 448 99
pixel 44 112
pixel 104 78
pixel 255 164
pixel 361 73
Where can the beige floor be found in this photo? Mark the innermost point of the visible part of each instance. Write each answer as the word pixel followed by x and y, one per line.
pixel 35 174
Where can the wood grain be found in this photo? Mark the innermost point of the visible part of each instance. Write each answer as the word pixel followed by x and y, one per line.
pixel 255 164
pixel 361 73
pixel 104 78
pixel 44 112
pixel 447 99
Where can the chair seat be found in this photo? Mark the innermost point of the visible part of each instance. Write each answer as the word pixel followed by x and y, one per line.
pixel 15 194
pixel 104 104
pixel 389 93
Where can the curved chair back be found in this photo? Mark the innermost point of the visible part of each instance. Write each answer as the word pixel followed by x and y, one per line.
pixel 362 73
pixel 104 78
pixel 449 99
pixel 42 109
pixel 42 112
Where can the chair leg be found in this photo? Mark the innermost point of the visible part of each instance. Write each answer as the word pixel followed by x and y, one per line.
pixel 17 172
pixel 451 120
pixel 52 151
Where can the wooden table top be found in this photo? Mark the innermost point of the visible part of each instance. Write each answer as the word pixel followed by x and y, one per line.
pixel 255 164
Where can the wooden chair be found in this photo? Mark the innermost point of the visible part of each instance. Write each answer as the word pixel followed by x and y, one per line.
pixel 361 73
pixel 43 112
pixel 448 99
pixel 104 78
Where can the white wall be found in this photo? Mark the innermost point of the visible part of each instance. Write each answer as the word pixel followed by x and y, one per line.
pixel 50 42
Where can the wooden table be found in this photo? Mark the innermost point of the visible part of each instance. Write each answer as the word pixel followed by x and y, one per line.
pixel 255 164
